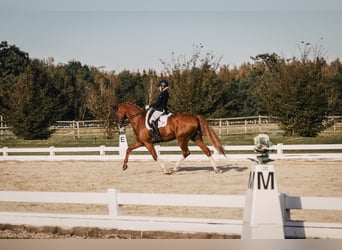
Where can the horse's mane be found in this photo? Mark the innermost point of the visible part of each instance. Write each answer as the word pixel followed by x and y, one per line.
pixel 134 105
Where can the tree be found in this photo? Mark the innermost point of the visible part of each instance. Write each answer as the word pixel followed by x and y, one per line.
pixel 239 95
pixel 35 103
pixel 335 79
pixel 195 86
pixel 132 88
pixel 77 81
pixel 13 62
pixel 101 100
pixel 295 91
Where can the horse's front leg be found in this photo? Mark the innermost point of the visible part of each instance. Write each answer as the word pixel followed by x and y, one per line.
pixel 135 145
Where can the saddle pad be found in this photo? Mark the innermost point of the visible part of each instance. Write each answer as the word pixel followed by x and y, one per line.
pixel 162 121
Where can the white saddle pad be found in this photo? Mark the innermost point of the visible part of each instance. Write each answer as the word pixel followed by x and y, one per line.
pixel 162 121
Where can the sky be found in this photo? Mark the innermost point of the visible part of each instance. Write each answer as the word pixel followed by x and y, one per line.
pixel 138 34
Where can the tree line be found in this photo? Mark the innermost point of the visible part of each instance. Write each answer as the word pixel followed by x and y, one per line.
pixel 302 91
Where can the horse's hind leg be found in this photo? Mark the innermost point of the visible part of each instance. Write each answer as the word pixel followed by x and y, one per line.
pixel 207 152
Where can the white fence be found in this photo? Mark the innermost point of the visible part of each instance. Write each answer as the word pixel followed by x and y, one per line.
pixel 169 153
pixel 115 200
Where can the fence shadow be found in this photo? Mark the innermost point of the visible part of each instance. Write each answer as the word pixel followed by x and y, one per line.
pixel 295 230
pixel 223 169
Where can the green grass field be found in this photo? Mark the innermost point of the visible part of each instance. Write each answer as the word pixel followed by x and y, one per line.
pixel 94 137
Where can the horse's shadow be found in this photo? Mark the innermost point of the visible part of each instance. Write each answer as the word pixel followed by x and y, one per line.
pixel 223 169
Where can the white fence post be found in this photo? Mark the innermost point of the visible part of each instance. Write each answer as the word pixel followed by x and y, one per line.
pixel 102 150
pixel 157 148
pixel 113 205
pixel 262 216
pixel 215 151
pixel 52 151
pixel 280 148
pixel 4 152
pixel 220 127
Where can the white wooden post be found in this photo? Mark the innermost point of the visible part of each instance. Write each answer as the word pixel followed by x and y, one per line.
pixel 1 126
pixel 279 149
pixel 102 150
pixel 157 148
pixel 227 127
pixel 262 216
pixel 5 153
pixel 52 151
pixel 220 127
pixel 73 129
pixel 245 126
pixel 113 206
pixel 78 129
pixel 215 151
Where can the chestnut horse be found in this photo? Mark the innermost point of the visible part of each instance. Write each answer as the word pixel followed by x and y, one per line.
pixel 183 127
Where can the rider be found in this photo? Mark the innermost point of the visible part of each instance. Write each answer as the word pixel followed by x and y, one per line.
pixel 158 108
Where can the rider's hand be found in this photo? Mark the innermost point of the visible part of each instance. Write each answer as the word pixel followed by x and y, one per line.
pixel 147 107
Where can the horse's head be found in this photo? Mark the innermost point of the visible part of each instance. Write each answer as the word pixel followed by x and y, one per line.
pixel 127 110
pixel 121 113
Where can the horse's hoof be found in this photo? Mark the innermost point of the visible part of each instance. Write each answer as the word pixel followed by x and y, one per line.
pixel 174 170
pixel 218 171
pixel 124 167
pixel 168 172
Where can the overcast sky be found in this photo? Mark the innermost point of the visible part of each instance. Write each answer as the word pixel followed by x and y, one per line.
pixel 136 34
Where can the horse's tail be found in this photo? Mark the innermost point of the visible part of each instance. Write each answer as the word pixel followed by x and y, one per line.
pixel 208 131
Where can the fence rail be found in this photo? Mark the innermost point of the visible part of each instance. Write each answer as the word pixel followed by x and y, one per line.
pixel 169 153
pixel 115 200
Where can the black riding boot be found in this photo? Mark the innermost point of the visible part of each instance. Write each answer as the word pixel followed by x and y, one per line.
pixel 155 134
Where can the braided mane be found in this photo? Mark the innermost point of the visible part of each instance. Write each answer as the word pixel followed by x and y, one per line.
pixel 134 105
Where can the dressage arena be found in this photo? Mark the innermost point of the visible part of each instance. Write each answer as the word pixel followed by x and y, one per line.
pixel 294 177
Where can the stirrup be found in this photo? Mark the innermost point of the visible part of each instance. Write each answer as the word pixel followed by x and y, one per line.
pixel 155 138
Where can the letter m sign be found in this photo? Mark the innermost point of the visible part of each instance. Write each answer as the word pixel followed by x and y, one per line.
pixel 269 182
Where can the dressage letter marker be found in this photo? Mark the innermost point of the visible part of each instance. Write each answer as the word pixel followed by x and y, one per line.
pixel 122 142
pixel 262 217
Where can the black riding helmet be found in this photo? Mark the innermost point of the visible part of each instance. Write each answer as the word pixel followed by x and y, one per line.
pixel 163 83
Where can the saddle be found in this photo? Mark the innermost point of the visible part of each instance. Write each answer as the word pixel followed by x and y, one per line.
pixel 162 121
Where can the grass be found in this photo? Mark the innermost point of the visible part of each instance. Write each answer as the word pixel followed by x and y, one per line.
pixel 96 139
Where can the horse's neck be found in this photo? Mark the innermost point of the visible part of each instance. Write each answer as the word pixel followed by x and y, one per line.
pixel 133 111
pixel 136 115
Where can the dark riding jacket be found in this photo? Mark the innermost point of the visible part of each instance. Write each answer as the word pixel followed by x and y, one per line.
pixel 161 103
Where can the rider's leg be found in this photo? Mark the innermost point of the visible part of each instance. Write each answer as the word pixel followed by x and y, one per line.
pixel 154 132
